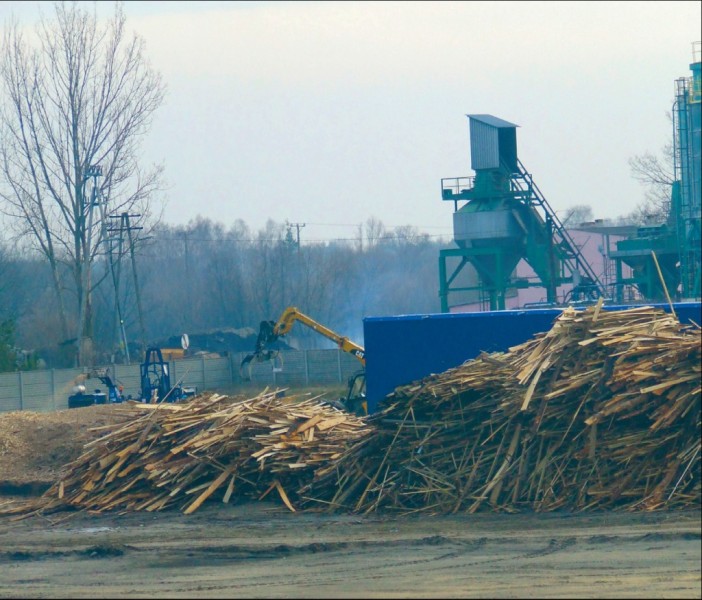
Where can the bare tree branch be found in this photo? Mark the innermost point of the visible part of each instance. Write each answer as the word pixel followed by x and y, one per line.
pixel 656 174
pixel 85 95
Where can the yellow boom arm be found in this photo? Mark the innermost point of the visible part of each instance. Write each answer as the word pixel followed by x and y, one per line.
pixel 271 331
pixel 291 315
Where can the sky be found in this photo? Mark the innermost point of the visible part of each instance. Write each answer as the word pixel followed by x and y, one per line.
pixel 330 113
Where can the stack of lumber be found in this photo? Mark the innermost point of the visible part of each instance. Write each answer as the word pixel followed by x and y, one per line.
pixel 211 447
pixel 602 411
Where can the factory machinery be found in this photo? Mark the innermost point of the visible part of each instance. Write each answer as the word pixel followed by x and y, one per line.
pixel 504 218
pixel 675 245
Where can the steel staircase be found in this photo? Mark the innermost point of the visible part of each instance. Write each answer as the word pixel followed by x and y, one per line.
pixel 527 190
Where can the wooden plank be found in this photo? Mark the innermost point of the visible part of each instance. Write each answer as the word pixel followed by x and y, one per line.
pixel 283 495
pixel 207 493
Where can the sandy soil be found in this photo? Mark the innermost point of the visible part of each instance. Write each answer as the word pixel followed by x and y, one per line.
pixel 35 446
pixel 261 551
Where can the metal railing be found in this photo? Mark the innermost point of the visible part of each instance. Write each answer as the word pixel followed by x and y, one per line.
pixel 454 187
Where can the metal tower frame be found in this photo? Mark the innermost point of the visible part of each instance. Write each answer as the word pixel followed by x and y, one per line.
pixel 504 197
pixel 686 144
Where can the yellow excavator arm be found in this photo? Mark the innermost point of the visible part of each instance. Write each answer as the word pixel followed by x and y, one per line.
pixel 292 315
pixel 272 330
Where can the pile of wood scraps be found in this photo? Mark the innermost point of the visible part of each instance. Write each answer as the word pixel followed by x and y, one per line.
pixel 602 411
pixel 214 446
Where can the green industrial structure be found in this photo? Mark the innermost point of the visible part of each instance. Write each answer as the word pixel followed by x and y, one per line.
pixel 503 219
pixel 665 259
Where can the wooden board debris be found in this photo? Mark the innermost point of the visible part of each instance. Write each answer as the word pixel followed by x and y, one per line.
pixel 601 411
pixel 182 455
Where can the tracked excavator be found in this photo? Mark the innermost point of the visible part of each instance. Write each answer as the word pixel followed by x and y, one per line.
pixel 355 399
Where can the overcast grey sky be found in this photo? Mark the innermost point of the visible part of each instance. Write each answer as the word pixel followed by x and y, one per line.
pixel 328 113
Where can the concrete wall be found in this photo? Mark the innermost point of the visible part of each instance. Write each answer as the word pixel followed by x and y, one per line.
pixel 49 390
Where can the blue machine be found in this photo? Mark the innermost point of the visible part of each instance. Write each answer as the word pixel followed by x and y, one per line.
pixel 156 380
pixel 402 349
pixel 81 398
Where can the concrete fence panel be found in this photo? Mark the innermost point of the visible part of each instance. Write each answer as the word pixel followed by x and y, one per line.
pixel 48 390
pixel 10 392
pixel 37 390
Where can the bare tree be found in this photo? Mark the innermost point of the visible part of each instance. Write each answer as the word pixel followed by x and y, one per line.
pixel 405 235
pixel 5 280
pixel 656 174
pixel 375 231
pixel 81 97
pixel 577 214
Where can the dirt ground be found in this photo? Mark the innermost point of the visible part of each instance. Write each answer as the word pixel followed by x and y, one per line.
pixel 261 550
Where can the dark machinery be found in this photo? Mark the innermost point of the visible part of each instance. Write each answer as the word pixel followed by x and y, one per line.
pixel 504 219
pixel 270 331
pixel 156 380
pixel 80 397
pixel 355 399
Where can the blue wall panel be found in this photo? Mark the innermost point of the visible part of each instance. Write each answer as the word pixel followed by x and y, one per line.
pixel 405 348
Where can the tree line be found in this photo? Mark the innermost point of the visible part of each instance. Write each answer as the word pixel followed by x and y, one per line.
pixel 88 268
pixel 206 276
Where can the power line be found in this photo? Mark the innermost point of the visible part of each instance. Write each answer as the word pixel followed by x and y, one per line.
pixel 384 225
pixel 270 240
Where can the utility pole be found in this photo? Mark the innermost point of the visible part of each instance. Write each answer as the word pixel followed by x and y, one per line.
pixel 125 226
pixel 289 267
pixel 297 227
pixel 137 291
pixel 115 271
pixel 189 313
